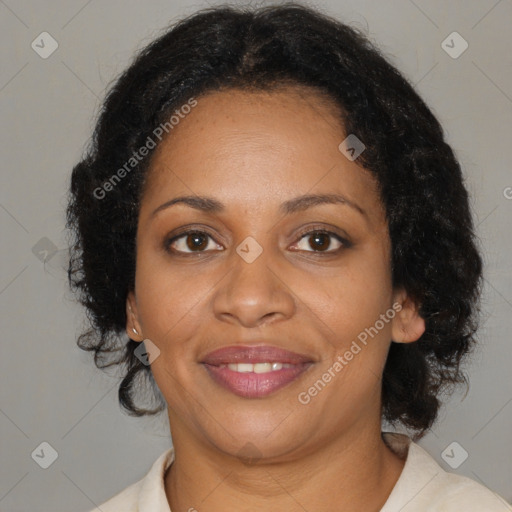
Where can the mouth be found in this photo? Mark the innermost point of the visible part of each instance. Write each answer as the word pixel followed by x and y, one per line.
pixel 255 371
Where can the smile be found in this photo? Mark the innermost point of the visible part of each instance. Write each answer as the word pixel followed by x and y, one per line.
pixel 256 368
pixel 255 380
pixel 254 371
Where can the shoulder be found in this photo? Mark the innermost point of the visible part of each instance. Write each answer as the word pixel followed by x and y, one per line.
pixel 456 492
pixel 146 495
pixel 424 486
pixel 126 500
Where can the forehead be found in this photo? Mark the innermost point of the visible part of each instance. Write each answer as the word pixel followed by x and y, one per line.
pixel 255 148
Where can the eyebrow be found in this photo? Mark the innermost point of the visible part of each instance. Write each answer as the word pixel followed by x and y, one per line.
pixel 301 203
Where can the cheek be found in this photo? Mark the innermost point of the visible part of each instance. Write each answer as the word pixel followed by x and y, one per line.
pixel 353 297
pixel 170 301
pixel 171 309
pixel 357 310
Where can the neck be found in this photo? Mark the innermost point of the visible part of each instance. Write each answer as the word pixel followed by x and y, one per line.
pixel 352 473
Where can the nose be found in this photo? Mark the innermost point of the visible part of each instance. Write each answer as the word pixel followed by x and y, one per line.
pixel 253 294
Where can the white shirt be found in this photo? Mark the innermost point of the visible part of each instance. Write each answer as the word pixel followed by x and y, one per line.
pixel 423 486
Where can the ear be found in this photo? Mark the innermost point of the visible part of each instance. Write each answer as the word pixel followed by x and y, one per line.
pixel 133 328
pixel 407 325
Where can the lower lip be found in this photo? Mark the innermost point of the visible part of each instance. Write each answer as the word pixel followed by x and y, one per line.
pixel 255 385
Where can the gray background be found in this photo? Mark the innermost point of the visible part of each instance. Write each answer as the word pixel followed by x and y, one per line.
pixel 50 390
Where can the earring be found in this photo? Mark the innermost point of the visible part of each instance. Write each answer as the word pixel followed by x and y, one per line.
pixel 135 331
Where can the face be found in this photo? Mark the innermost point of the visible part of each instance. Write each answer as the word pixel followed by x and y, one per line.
pixel 252 291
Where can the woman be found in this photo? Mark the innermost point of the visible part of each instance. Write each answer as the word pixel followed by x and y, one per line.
pixel 272 216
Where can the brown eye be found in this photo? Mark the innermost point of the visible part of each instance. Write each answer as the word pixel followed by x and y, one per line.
pixel 191 241
pixel 321 241
pixel 196 241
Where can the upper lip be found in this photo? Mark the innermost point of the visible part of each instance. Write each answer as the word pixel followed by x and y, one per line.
pixel 254 354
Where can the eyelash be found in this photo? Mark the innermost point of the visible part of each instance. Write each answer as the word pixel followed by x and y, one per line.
pixel 311 231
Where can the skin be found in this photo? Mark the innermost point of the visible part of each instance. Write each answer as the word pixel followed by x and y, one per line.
pixel 252 151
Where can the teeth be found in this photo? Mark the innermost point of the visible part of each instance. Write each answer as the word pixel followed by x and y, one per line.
pixel 256 368
pixel 244 368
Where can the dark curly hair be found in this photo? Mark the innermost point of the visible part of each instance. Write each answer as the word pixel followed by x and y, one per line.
pixel 434 253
